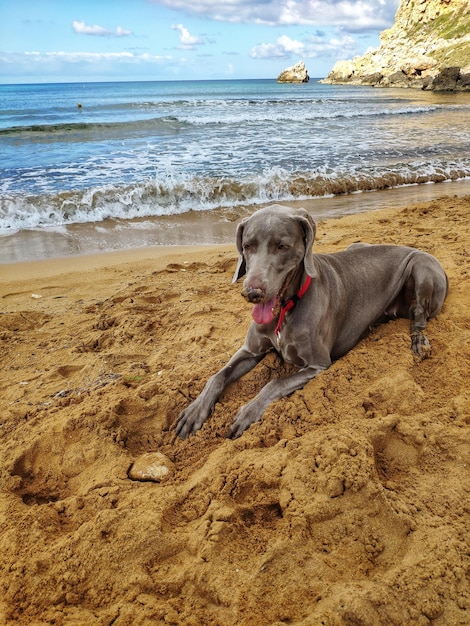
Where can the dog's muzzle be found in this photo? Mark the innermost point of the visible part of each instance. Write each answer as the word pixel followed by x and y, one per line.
pixel 253 295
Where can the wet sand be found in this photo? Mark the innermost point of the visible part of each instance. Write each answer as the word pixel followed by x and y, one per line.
pixel 197 228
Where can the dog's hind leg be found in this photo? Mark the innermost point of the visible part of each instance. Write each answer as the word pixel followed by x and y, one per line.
pixel 429 291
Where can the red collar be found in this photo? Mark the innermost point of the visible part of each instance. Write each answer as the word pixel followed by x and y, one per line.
pixel 290 304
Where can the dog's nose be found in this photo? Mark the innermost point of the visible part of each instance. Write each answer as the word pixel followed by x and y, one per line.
pixel 253 294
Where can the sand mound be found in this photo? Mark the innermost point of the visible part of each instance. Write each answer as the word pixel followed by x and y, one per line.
pixel 348 504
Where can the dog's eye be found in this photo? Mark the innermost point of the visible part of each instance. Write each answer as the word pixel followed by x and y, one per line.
pixel 282 246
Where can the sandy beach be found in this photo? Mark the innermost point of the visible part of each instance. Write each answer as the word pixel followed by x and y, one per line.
pixel 347 504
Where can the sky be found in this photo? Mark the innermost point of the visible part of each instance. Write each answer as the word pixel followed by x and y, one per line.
pixel 44 41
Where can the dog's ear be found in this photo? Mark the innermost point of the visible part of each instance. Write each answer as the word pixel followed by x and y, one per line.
pixel 309 227
pixel 241 266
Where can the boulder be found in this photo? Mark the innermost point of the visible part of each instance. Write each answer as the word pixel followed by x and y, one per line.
pixel 372 79
pixel 295 74
pixel 152 466
pixel 447 79
pixel 397 79
pixel 417 66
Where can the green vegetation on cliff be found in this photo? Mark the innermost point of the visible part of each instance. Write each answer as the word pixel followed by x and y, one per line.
pixel 449 25
pixel 428 38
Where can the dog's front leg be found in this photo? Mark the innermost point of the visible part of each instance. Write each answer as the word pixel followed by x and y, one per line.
pixel 194 416
pixel 274 390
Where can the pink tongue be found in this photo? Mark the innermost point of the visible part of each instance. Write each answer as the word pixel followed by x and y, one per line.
pixel 263 313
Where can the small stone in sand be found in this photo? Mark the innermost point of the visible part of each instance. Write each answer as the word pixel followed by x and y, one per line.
pixel 153 466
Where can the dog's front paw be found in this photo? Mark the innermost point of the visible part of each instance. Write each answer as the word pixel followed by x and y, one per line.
pixel 191 419
pixel 245 417
pixel 420 345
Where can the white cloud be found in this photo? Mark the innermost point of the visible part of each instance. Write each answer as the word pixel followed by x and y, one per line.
pixel 84 29
pixel 351 15
pixel 283 48
pixel 313 47
pixel 188 41
pixel 291 45
pixel 268 51
pixel 45 59
pixel 90 57
pixel 59 66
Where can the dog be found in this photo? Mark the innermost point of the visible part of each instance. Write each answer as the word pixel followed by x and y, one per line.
pixel 313 308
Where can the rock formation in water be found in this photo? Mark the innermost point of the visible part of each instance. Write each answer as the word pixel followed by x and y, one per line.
pixel 428 47
pixel 295 74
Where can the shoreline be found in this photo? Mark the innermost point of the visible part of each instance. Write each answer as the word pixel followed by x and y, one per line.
pixel 196 228
pixel 29 276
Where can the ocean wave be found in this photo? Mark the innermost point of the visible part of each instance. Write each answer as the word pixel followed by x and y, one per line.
pixel 207 116
pixel 233 117
pixel 65 128
pixel 181 194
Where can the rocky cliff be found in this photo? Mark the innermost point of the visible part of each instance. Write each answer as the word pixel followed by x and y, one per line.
pixel 428 47
pixel 295 74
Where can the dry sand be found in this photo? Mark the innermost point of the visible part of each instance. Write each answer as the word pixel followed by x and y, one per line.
pixel 348 504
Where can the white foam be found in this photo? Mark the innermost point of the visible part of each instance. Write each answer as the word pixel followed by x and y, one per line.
pixel 172 194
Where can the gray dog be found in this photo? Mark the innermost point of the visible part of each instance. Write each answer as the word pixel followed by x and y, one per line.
pixel 311 308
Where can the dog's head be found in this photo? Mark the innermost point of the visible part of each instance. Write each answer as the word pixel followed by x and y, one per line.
pixel 264 222
pixel 275 247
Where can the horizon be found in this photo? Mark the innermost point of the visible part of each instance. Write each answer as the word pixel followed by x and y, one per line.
pixel 168 80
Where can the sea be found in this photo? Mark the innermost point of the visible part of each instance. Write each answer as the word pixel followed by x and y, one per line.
pixel 86 167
